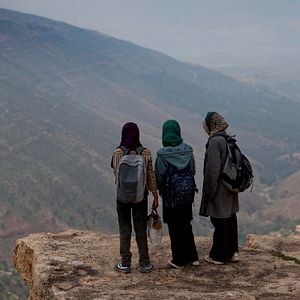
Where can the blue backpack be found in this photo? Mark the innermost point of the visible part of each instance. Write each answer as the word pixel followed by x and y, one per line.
pixel 179 187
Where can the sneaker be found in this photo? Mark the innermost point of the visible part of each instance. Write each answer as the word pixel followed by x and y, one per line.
pixel 174 265
pixel 195 263
pixel 235 257
pixel 146 268
pixel 212 261
pixel 121 268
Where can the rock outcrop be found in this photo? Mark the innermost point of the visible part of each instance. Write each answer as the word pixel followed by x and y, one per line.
pixel 78 265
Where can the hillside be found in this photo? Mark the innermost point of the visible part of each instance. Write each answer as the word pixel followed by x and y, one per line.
pixel 65 93
pixel 283 201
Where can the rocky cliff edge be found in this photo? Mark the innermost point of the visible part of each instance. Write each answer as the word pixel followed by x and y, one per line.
pixel 78 265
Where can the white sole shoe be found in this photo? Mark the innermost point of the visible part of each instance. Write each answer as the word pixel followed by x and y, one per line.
pixel 235 257
pixel 174 265
pixel 195 263
pixel 211 261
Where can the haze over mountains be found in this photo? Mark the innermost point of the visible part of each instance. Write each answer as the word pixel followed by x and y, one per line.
pixel 65 93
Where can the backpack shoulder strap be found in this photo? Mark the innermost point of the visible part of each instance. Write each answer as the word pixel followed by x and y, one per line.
pixel 224 135
pixel 227 137
pixel 125 150
pixel 139 150
pixel 170 168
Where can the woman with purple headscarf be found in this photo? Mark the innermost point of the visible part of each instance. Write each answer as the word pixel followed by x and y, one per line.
pixel 130 141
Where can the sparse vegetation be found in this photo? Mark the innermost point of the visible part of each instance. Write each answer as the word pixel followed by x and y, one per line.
pixel 285 257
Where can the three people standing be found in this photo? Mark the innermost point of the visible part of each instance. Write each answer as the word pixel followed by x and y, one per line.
pixel 217 201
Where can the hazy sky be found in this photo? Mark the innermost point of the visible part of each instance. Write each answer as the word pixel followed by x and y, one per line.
pixel 208 32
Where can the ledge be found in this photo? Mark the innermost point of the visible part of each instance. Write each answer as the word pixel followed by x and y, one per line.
pixel 78 265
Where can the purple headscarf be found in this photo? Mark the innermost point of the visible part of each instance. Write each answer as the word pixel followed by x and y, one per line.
pixel 130 136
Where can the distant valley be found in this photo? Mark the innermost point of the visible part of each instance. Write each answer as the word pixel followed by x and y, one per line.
pixel 280 80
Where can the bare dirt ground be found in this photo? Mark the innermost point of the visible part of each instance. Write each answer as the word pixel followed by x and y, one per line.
pixel 79 265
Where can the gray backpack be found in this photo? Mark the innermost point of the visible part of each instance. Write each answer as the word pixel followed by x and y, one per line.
pixel 131 177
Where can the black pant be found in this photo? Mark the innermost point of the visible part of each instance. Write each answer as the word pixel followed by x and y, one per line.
pixel 139 216
pixel 225 238
pixel 182 242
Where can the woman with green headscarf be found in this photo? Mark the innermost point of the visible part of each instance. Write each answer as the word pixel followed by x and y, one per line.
pixel 177 155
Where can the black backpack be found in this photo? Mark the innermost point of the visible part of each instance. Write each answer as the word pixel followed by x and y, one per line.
pixel 179 187
pixel 237 174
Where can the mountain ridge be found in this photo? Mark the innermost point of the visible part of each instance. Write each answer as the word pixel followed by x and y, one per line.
pixel 64 85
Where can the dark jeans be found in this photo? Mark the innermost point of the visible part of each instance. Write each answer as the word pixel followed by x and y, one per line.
pixel 139 216
pixel 182 242
pixel 225 238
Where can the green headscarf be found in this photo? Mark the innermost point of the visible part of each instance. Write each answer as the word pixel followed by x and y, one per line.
pixel 171 134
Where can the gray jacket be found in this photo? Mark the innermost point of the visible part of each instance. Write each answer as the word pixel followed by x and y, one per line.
pixel 217 201
pixel 179 156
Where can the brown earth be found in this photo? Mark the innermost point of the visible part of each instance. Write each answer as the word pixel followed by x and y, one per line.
pixel 78 265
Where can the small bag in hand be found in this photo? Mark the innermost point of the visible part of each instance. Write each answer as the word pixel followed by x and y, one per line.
pixel 155 232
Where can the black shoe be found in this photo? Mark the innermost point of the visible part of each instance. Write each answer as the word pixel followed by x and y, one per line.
pixel 124 269
pixel 146 268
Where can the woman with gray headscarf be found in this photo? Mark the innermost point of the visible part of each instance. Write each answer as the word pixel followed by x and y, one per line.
pixel 217 201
